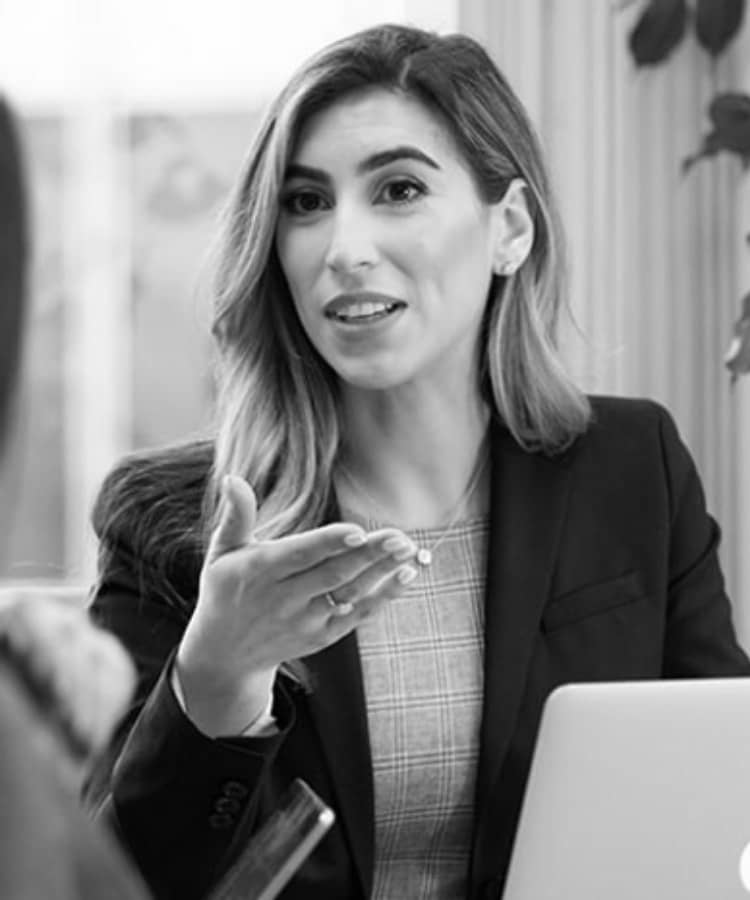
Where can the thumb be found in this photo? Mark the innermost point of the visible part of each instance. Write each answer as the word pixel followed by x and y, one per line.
pixel 237 519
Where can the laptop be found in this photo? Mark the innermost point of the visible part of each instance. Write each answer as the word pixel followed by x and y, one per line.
pixel 638 790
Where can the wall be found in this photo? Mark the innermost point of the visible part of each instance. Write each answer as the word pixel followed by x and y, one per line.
pixel 658 262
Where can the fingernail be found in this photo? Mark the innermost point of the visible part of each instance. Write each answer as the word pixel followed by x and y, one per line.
pixel 355 539
pixel 398 547
pixel 406 574
pixel 229 487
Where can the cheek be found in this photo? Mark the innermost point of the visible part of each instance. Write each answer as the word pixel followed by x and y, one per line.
pixel 468 242
pixel 287 251
pixel 291 261
pixel 298 257
pixel 419 252
pixel 452 253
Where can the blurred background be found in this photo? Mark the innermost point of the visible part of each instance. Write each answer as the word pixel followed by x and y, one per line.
pixel 134 119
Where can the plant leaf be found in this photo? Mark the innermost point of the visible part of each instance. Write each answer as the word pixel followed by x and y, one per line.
pixel 730 116
pixel 737 358
pixel 717 22
pixel 730 110
pixel 709 147
pixel 658 31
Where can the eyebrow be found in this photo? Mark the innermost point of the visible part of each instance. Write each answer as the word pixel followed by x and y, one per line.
pixel 370 164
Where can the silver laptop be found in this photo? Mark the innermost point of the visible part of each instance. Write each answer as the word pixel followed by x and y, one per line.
pixel 638 790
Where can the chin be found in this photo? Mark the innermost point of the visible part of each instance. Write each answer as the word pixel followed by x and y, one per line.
pixel 370 378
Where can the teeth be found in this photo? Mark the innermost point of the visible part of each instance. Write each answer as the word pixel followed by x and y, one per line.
pixel 364 309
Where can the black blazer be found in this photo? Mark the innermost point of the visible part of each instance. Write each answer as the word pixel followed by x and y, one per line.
pixel 602 565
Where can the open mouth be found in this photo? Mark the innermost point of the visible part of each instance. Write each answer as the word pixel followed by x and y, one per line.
pixel 362 308
pixel 365 312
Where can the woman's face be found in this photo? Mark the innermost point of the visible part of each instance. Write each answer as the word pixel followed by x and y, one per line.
pixel 386 246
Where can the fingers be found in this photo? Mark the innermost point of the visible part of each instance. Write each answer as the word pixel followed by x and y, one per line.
pixel 381 572
pixel 287 555
pixel 347 617
pixel 384 578
pixel 305 551
pixel 268 596
pixel 356 574
pixel 298 553
pixel 266 601
pixel 237 520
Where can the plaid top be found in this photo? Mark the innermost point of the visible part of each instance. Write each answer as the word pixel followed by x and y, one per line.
pixel 422 666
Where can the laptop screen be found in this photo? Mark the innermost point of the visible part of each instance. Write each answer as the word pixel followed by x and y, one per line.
pixel 638 790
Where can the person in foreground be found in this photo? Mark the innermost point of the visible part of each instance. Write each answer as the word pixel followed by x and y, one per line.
pixel 411 525
pixel 63 683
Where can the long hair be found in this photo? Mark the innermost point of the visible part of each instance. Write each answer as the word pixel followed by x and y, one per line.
pixel 278 413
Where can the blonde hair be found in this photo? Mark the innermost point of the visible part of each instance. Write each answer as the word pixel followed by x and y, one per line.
pixel 278 411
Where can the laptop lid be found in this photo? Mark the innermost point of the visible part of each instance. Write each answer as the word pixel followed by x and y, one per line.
pixel 638 790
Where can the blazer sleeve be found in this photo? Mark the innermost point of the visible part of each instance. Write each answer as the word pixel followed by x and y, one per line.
pixel 700 638
pixel 182 804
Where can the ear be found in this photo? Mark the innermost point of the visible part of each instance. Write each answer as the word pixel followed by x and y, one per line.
pixel 513 230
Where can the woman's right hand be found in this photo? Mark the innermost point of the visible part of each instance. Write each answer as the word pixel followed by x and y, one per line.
pixel 263 602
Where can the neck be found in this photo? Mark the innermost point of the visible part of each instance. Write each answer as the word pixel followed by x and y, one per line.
pixel 409 455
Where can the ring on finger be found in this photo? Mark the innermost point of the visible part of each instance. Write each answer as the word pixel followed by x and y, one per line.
pixel 338 607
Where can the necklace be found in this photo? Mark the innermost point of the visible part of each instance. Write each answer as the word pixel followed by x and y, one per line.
pixel 425 554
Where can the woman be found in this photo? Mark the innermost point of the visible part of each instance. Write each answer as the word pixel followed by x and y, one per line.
pixel 416 526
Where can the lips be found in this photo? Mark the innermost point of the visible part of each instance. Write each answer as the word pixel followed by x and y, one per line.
pixel 362 307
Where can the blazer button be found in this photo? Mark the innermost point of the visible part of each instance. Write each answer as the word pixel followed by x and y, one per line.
pixel 234 789
pixel 227 805
pixel 220 821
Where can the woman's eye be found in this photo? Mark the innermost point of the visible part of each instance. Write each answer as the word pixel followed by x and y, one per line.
pixel 303 203
pixel 402 191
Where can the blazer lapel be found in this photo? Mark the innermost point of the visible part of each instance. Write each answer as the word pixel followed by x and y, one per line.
pixel 528 501
pixel 529 494
pixel 337 707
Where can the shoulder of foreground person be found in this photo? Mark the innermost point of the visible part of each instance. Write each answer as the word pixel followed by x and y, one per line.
pixel 48 848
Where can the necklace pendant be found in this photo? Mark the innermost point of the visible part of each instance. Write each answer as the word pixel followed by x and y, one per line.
pixel 424 556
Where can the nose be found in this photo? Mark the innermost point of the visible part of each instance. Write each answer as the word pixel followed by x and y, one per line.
pixel 351 246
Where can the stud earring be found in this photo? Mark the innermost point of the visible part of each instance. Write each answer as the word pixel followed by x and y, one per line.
pixel 508 268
